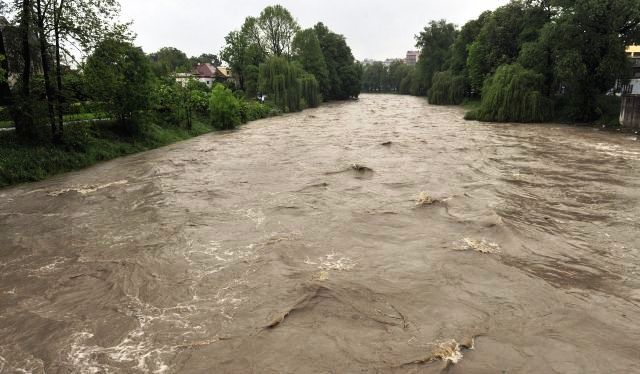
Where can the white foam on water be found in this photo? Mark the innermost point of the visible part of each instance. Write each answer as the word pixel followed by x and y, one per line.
pixel 481 246
pixel 333 261
pixel 51 267
pixel 616 151
pixel 256 216
pixel 87 189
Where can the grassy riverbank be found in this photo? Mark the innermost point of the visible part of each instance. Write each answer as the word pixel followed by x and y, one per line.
pixel 84 145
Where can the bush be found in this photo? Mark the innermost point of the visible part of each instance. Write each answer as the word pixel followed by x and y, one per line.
pixel 224 108
pixel 513 94
pixel 446 89
pixel 253 110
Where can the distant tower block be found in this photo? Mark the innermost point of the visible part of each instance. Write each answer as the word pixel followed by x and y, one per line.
pixel 412 57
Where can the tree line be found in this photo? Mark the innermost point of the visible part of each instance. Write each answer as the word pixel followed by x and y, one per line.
pixel 527 61
pixel 272 55
pixel 64 57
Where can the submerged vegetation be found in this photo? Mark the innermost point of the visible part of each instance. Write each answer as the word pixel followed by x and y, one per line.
pixel 145 101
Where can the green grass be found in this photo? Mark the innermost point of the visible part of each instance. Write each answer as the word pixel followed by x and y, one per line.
pixel 85 145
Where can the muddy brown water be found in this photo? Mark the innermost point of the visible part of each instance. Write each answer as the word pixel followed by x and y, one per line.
pixel 308 243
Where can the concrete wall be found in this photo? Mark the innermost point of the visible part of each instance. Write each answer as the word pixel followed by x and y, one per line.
pixel 630 111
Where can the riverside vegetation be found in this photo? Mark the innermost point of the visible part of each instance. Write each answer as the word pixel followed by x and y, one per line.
pixel 527 61
pixel 136 94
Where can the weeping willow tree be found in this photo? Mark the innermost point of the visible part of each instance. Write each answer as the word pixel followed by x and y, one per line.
pixel 310 90
pixel 284 83
pixel 513 94
pixel 446 89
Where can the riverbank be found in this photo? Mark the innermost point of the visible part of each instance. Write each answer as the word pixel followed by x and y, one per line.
pixel 85 145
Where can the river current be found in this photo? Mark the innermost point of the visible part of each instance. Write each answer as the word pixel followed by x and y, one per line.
pixel 382 235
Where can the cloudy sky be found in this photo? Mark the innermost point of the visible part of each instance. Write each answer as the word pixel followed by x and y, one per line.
pixel 373 28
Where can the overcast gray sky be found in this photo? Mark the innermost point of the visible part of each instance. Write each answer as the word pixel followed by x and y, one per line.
pixel 373 28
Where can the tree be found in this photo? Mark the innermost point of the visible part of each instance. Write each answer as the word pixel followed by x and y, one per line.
pixel 46 67
pixel 398 70
pixel 277 27
pixel 279 80
pixel 375 77
pixel 435 44
pixel 307 51
pixel 24 119
pixel 498 42
pixel 205 58
pixel 340 64
pixel 224 108
pixel 460 49
pixel 242 50
pixel 118 76
pixel 514 94
pixel 588 51
pixel 168 60
pixel 447 89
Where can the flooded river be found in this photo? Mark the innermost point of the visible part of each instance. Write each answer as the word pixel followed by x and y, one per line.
pixel 378 236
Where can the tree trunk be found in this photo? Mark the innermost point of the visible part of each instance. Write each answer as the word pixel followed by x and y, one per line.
pixel 5 90
pixel 56 25
pixel 46 68
pixel 24 121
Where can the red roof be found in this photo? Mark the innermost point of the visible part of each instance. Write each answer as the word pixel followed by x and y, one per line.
pixel 205 71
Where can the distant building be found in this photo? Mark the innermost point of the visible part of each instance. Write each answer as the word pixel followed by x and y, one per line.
pixel 390 61
pixel 205 73
pixel 633 52
pixel 387 62
pixel 412 57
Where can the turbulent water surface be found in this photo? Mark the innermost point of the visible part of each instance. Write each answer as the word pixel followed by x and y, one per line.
pixel 383 235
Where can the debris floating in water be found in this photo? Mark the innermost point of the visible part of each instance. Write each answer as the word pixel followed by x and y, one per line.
pixel 481 246
pixel 425 199
pixel 361 168
pixel 449 351
pixel 321 276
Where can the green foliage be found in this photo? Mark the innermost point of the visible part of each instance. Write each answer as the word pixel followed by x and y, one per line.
pixel 118 77
pixel 310 90
pixel 376 78
pixel 435 43
pixel 307 52
pixel 167 60
pixel 253 110
pixel 224 108
pixel 279 80
pixel 252 74
pixel 344 74
pixel 514 94
pixel 277 28
pixel 447 89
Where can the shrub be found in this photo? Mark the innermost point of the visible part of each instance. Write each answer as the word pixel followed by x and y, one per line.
pixel 224 108
pixel 513 94
pixel 446 89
